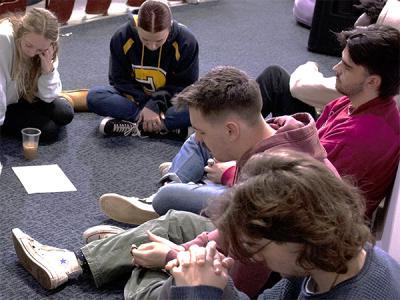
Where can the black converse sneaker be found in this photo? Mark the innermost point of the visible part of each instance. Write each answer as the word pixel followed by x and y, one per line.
pixel 179 134
pixel 116 127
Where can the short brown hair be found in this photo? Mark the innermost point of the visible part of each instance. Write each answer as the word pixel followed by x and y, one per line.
pixel 287 196
pixel 222 90
pixel 154 16
pixel 377 48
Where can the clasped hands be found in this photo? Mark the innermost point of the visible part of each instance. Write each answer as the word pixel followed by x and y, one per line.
pixel 200 266
pixel 197 266
pixel 151 121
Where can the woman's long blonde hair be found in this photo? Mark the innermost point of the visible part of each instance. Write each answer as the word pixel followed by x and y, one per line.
pixel 27 72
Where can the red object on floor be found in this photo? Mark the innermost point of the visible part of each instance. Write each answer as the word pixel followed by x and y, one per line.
pixel 97 7
pixel 13 6
pixel 61 8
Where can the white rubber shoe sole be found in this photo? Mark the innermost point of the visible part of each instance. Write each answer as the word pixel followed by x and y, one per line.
pixel 103 123
pixel 126 209
pixel 100 232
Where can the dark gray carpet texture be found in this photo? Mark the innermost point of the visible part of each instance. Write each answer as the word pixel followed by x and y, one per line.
pixel 249 34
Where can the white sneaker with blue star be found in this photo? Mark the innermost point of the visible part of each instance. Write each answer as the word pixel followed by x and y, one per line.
pixel 50 266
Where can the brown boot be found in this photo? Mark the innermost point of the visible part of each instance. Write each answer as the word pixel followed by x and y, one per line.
pixel 77 98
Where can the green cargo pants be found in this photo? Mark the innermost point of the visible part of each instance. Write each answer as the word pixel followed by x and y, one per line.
pixel 110 259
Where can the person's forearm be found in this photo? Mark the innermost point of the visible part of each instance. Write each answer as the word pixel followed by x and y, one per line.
pixel 310 86
pixel 49 86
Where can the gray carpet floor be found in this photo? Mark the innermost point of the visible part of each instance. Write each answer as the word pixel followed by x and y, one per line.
pixel 249 34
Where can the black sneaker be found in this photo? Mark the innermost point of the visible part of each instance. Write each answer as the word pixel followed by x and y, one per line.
pixel 116 127
pixel 179 134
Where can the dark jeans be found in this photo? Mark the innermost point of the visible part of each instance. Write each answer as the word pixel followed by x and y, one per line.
pixel 107 101
pixel 275 92
pixel 48 117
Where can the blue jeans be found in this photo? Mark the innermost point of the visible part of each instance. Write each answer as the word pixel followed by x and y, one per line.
pixel 107 101
pixel 188 164
pixel 189 197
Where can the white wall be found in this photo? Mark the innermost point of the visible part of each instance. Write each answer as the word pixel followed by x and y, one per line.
pixel 390 239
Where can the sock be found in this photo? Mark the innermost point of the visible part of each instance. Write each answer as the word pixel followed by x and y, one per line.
pixel 82 262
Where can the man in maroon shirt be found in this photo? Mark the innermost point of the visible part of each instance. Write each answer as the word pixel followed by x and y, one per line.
pixel 361 131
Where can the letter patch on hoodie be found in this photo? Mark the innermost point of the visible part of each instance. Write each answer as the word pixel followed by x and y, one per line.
pixel 151 78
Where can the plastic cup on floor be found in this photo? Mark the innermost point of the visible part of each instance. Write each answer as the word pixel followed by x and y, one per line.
pixel 30 142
